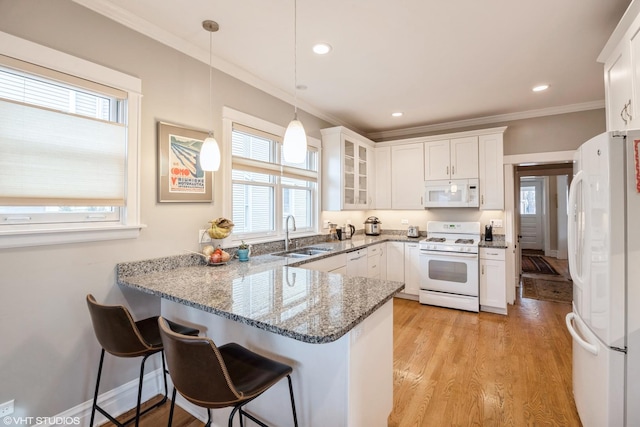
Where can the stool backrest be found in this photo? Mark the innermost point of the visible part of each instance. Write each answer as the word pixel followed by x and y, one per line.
pixel 115 329
pixel 197 369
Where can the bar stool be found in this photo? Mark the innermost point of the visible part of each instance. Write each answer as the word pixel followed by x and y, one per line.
pixel 218 377
pixel 121 336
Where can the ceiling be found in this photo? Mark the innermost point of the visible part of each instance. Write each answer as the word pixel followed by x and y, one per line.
pixel 442 63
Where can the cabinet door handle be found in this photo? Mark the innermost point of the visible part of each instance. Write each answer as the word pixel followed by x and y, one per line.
pixel 453 170
pixel 482 199
pixel 627 110
pixel 447 170
pixel 483 270
pixel 622 114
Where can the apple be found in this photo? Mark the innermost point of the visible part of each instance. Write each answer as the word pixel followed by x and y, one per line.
pixel 215 258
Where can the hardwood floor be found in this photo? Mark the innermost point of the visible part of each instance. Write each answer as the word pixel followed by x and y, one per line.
pixel 455 368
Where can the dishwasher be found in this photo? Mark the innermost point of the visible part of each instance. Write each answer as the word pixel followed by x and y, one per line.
pixel 357 263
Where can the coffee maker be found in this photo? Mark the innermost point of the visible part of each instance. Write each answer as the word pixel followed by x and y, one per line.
pixel 488 233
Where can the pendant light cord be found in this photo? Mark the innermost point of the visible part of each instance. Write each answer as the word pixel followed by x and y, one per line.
pixel 210 85
pixel 295 59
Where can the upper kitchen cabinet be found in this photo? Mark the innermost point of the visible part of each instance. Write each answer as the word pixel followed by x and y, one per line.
pixel 621 58
pixel 455 158
pixel 407 184
pixel 347 165
pixel 383 178
pixel 491 179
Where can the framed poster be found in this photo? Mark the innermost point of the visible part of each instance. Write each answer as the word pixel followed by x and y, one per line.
pixel 181 179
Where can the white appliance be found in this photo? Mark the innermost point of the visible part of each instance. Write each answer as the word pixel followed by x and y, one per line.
pixel 357 263
pixel 604 261
pixel 456 193
pixel 449 265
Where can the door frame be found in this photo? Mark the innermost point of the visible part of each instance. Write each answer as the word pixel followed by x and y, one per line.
pixel 514 253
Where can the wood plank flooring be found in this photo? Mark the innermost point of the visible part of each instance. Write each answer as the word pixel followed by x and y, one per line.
pixel 455 368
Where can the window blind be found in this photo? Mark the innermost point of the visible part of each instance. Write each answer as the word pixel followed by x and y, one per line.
pixel 50 158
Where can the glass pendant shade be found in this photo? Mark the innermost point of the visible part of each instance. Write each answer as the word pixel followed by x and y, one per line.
pixel 210 155
pixel 294 146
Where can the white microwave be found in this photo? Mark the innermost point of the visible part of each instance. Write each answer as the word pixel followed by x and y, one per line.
pixel 455 193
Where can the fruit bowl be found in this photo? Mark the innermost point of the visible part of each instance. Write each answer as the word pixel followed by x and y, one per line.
pixel 216 264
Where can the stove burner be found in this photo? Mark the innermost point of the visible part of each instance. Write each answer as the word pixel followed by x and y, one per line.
pixel 465 241
pixel 436 239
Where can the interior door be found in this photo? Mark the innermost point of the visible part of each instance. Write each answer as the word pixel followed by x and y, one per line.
pixel 532 236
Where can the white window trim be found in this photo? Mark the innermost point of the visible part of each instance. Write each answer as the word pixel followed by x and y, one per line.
pixel 230 116
pixel 129 225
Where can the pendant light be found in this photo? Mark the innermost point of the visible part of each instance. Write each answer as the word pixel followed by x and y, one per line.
pixel 210 151
pixel 294 146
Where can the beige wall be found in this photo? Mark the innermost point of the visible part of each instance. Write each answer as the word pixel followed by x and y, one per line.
pixel 49 355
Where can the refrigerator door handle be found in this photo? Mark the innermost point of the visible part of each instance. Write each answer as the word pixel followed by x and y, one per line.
pixel 572 232
pixel 591 348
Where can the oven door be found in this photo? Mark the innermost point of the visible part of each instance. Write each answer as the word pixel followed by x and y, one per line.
pixel 451 272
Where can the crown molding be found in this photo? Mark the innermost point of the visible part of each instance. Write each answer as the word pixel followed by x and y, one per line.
pixel 142 26
pixel 500 118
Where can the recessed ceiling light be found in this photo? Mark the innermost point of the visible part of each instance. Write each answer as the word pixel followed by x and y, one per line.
pixel 397 114
pixel 540 88
pixel 322 48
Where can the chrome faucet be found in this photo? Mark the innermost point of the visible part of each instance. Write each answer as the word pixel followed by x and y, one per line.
pixel 286 226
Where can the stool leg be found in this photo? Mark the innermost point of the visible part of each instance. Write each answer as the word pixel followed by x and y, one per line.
pixel 164 372
pixel 144 359
pixel 293 403
pixel 233 412
pixel 173 402
pixel 95 394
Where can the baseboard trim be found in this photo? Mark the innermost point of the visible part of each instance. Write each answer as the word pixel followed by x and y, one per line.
pixel 551 253
pixel 122 399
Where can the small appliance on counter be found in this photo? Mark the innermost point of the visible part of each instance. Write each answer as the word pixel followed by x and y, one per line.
pixel 372 226
pixel 346 232
pixel 488 233
pixel 413 231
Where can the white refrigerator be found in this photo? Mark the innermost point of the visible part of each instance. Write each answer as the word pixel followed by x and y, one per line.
pixel 604 261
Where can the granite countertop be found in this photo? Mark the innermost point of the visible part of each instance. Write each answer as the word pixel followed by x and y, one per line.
pixel 498 242
pixel 269 292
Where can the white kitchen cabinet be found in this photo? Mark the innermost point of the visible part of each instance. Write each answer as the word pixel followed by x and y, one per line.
pixel 491 179
pixel 347 165
pixel 373 262
pixel 333 264
pixel 383 261
pixel 621 58
pixel 395 261
pixel 493 283
pixel 412 268
pixel 357 263
pixel 455 158
pixel 382 175
pixel 407 182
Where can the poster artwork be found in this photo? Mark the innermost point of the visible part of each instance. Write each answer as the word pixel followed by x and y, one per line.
pixel 185 174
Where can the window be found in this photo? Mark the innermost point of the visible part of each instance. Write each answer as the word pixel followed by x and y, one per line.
pixel 266 189
pixel 68 148
pixel 528 200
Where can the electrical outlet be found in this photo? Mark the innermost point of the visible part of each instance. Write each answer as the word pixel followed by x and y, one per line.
pixel 6 408
pixel 325 224
pixel 497 223
pixel 203 236
pixel 404 221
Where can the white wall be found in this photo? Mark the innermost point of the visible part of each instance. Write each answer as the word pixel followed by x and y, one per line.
pixel 48 354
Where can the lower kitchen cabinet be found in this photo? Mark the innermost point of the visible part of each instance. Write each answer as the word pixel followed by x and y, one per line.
pixel 334 264
pixel 412 268
pixel 493 284
pixel 358 263
pixel 374 262
pixel 395 261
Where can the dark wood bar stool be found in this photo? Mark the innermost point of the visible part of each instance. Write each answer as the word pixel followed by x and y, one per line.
pixel 218 377
pixel 121 336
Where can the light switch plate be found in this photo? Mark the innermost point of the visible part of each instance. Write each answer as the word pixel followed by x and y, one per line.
pixel 203 236
pixel 404 221
pixel 497 223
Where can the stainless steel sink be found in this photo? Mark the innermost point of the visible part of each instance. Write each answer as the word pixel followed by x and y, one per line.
pixel 303 252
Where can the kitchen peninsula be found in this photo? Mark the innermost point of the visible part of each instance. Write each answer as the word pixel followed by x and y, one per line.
pixel 335 331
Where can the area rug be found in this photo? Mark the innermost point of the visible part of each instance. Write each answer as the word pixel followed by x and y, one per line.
pixel 537 265
pixel 547 290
